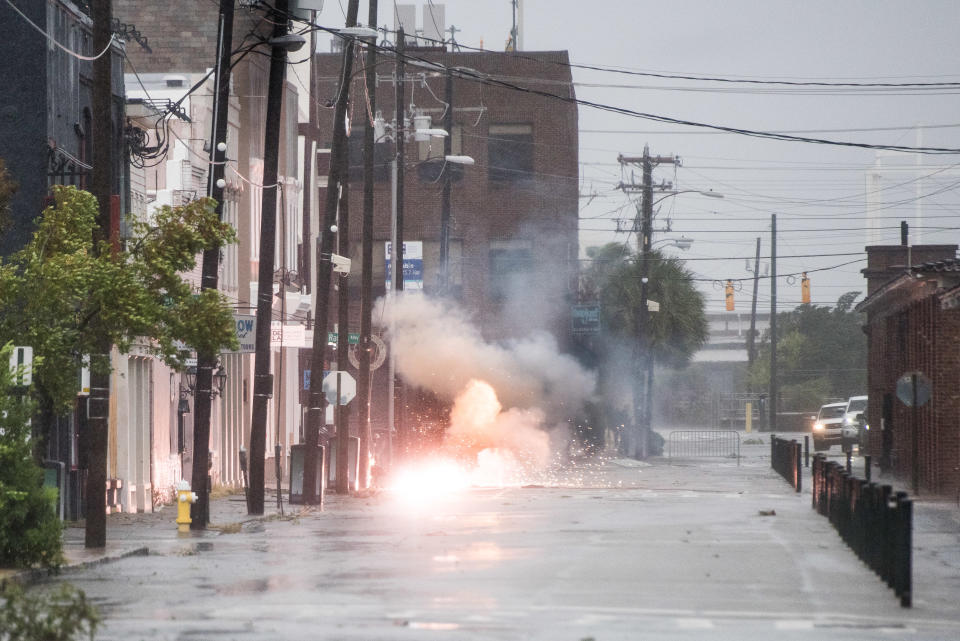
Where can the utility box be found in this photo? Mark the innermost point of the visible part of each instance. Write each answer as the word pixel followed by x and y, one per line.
pixel 297 456
pixel 353 463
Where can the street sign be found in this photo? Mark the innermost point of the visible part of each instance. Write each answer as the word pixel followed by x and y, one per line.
pixel 352 338
pixel 348 387
pixel 905 389
pixel 585 319
pixel 21 365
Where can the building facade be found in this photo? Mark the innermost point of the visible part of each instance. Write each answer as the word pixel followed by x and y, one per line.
pixel 913 328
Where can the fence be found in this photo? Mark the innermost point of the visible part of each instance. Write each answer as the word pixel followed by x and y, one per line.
pixel 786 458
pixel 876 523
pixel 703 443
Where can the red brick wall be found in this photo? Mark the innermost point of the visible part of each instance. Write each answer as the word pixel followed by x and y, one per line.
pixel 543 211
pixel 914 334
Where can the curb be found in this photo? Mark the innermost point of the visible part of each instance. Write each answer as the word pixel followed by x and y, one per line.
pixel 35 575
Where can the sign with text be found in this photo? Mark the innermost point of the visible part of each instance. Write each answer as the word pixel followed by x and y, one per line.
pixel 246 327
pixel 585 319
pixel 287 335
pixel 412 265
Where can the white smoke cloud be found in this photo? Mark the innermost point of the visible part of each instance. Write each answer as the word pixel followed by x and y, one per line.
pixel 438 348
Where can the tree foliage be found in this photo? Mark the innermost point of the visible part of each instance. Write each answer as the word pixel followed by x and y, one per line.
pixel 677 330
pixel 29 526
pixel 64 297
pixel 821 354
pixel 63 614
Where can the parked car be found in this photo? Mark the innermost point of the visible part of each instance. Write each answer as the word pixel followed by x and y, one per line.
pixel 855 421
pixel 828 428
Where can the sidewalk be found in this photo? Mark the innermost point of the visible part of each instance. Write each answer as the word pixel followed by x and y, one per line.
pixel 135 534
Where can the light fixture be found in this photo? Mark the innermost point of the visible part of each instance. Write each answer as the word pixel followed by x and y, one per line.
pixel 218 378
pixel 357 32
pixel 289 42
pixel 460 160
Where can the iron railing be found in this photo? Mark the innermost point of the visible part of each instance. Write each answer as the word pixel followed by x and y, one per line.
pixel 786 458
pixel 703 443
pixel 874 521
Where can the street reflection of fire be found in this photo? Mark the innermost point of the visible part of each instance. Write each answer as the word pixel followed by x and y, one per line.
pixel 430 479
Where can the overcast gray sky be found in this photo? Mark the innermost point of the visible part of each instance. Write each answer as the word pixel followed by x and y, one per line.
pixel 818 192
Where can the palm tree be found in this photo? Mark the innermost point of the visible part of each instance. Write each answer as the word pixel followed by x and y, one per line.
pixel 675 332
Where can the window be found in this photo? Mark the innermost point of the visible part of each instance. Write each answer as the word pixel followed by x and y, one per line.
pixel 510 153
pixel 511 264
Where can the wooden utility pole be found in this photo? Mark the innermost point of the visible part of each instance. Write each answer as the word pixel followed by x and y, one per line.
pixel 262 377
pixel 772 401
pixel 338 161
pixel 341 413
pixel 447 178
pixel 643 362
pixel 364 385
pixel 397 255
pixel 751 337
pixel 98 403
pixel 203 391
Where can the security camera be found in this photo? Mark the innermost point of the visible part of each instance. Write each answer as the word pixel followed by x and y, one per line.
pixel 341 264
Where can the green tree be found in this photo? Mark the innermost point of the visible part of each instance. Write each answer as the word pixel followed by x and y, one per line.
pixel 66 297
pixel 676 332
pixel 62 298
pixel 29 527
pixel 821 355
pixel 679 329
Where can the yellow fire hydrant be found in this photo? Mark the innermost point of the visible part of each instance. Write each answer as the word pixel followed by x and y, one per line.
pixel 185 498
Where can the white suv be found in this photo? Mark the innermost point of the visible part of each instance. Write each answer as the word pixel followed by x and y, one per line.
pixel 828 428
pixel 854 422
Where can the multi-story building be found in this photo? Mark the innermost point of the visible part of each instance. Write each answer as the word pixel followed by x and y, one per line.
pixel 46 139
pixel 183 36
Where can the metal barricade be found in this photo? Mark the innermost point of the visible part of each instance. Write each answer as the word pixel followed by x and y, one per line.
pixel 703 443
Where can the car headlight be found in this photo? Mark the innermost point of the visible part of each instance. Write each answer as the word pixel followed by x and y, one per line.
pixel 818 426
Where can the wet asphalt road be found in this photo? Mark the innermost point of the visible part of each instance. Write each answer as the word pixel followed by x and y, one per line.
pixel 672 550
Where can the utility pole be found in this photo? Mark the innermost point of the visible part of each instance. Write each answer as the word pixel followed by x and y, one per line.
pixel 751 338
pixel 338 162
pixel 203 396
pixel 643 371
pixel 98 403
pixel 364 385
pixel 341 416
pixel 397 249
pixel 445 214
pixel 772 401
pixel 262 377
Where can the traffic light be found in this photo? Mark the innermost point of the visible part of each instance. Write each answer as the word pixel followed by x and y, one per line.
pixel 804 289
pixel 728 294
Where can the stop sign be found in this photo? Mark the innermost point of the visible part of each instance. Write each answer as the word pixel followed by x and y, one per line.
pixel 348 387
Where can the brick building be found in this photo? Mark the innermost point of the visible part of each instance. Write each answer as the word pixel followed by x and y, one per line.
pixel 513 234
pixel 913 325
pixel 514 213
